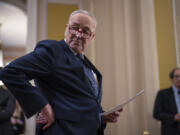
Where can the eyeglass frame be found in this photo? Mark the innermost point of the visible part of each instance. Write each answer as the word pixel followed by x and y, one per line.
pixel 75 30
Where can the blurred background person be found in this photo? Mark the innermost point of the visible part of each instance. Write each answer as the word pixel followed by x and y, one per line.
pixel 167 106
pixel 7 105
pixel 18 120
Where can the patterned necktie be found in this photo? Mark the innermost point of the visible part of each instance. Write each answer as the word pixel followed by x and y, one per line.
pixel 89 73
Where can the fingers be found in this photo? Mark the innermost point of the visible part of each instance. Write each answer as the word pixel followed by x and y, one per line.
pixel 41 119
pixel 47 125
pixel 110 118
pixel 120 110
pixel 116 114
pixel 113 117
pixel 46 117
pixel 177 117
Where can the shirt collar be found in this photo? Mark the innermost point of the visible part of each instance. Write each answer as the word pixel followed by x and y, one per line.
pixel 175 89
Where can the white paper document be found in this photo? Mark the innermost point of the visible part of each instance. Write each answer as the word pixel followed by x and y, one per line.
pixel 123 104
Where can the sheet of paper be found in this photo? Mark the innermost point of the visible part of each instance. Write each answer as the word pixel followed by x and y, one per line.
pixel 123 104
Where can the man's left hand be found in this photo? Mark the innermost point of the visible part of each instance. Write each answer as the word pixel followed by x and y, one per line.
pixel 112 117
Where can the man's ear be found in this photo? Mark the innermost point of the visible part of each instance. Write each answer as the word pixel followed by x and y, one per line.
pixel 66 30
pixel 92 36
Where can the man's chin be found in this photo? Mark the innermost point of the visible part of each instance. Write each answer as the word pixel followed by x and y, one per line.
pixel 76 48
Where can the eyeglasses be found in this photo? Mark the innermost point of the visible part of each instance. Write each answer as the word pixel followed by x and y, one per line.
pixel 85 33
pixel 176 76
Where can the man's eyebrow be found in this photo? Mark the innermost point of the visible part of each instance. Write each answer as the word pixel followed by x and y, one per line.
pixel 75 24
pixel 85 27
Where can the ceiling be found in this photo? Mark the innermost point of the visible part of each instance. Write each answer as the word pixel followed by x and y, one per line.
pixel 13 22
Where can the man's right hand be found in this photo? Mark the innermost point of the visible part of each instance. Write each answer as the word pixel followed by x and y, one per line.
pixel 46 116
pixel 177 117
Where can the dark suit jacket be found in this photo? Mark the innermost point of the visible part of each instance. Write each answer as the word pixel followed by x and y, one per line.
pixel 61 82
pixel 7 106
pixel 164 110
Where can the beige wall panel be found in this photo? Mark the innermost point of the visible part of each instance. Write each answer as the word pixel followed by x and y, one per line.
pixel 176 17
pixel 165 40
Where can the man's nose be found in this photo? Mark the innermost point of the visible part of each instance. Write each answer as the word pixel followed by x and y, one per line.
pixel 79 34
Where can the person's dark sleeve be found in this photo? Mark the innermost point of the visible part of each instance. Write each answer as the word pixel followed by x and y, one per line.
pixel 160 112
pixel 17 74
pixel 103 123
pixel 8 109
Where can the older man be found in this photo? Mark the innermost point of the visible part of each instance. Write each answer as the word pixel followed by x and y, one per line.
pixel 68 92
pixel 167 106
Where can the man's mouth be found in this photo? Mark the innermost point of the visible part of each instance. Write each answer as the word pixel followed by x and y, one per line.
pixel 77 42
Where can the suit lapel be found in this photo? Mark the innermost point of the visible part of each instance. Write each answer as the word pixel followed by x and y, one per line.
pixel 74 62
pixel 98 74
pixel 174 106
pixel 77 67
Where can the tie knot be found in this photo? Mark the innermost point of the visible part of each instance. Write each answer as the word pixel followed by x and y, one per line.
pixel 83 60
pixel 80 56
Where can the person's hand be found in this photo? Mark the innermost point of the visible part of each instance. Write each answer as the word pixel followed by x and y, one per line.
pixel 112 117
pixel 177 117
pixel 41 119
pixel 46 116
pixel 13 120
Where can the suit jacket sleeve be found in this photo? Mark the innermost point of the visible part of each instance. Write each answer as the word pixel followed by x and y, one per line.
pixel 162 109
pixel 17 74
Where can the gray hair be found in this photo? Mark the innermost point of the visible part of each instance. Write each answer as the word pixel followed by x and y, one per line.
pixel 86 13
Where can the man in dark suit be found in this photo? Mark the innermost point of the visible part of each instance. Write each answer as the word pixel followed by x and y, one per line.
pixel 68 92
pixel 167 106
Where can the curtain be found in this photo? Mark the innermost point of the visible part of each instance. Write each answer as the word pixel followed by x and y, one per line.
pixel 125 51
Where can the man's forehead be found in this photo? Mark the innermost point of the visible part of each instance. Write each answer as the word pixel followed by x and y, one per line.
pixel 81 19
pixel 177 71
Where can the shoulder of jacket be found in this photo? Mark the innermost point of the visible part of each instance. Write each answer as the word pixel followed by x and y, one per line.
pixel 165 91
pixel 51 45
pixel 47 43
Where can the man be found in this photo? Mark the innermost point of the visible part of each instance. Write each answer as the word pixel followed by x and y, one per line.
pixel 68 95
pixel 167 106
